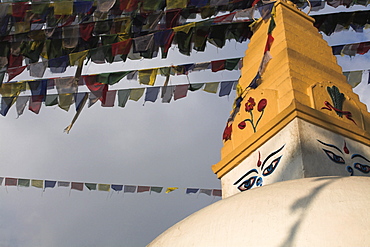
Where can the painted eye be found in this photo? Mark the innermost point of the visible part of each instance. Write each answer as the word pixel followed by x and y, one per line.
pixel 247 184
pixel 350 170
pixel 362 168
pixel 259 181
pixel 271 168
pixel 336 158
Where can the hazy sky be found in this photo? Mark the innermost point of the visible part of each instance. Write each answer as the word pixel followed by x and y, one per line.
pixel 156 144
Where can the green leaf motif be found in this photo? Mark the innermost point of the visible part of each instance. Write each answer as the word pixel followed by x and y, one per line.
pixel 337 97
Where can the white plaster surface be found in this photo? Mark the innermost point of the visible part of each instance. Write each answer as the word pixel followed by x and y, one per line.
pixel 325 211
pixel 302 156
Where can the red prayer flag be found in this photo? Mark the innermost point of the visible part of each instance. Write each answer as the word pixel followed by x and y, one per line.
pixel 363 48
pixel 10 182
pixel 218 65
pixel 35 103
pixel 77 186
pixel 128 5
pixel 180 91
pixel 86 30
pixel 270 39
pixel 19 9
pixel 142 189
pixel 15 61
pixel 122 47
pixel 224 18
pixel 13 72
pixel 216 192
pixel 98 89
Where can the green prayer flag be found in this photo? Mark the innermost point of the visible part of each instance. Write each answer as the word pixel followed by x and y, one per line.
pixel 230 64
pixel 272 25
pixel 211 87
pixel 51 100
pixel 23 182
pixel 195 86
pixel 123 96
pixel 90 186
pixel 156 189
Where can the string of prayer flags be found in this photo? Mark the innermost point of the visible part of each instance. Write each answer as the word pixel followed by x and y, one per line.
pixel 79 186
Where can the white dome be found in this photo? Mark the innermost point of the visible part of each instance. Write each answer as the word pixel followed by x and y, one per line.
pixel 324 211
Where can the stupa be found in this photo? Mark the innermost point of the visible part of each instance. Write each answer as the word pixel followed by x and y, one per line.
pixel 295 163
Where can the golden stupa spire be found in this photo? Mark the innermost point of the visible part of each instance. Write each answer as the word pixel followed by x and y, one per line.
pixel 289 72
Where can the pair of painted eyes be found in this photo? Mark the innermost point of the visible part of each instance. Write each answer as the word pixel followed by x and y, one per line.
pixel 338 159
pixel 249 183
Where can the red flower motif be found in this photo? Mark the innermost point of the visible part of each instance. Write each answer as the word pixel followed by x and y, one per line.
pixel 261 105
pixel 250 104
pixel 227 132
pixel 242 125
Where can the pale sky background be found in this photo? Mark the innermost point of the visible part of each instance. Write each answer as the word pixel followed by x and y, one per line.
pixel 169 145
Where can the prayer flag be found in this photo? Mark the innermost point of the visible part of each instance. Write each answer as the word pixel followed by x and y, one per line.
pixel 205 191
pixel 63 184
pixel 123 96
pixel 156 189
pixel 37 183
pixel 224 18
pixel 34 106
pixel 51 100
pixel 82 7
pixel 211 87
pixel 117 187
pixel 170 189
pixel 13 72
pixel 21 104
pixel 151 94
pixel 255 81
pixel 225 88
pixel 216 192
pixel 63 8
pixel 10 182
pixel 50 184
pixel 129 189
pixel 265 10
pixel 136 93
pixel 105 5
pixel 1 180
pixel 167 93
pixel 354 77
pixel 77 186
pixel 191 190
pixel 218 65
pixel 6 103
pixel 23 182
pixel 103 187
pixel 143 189
pixel 90 186
pixel 176 4
pixel 109 101
pixel 195 86
pixel 38 69
pixel 231 64
pixel 266 58
pixel 180 91
pixel 148 76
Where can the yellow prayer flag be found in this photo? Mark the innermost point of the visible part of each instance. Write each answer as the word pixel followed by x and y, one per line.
pixel 63 8
pixel 77 58
pixel 136 93
pixel 211 87
pixel 176 4
pixel 185 28
pixel 12 89
pixel 103 187
pixel 37 183
pixel 170 189
pixel 148 76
